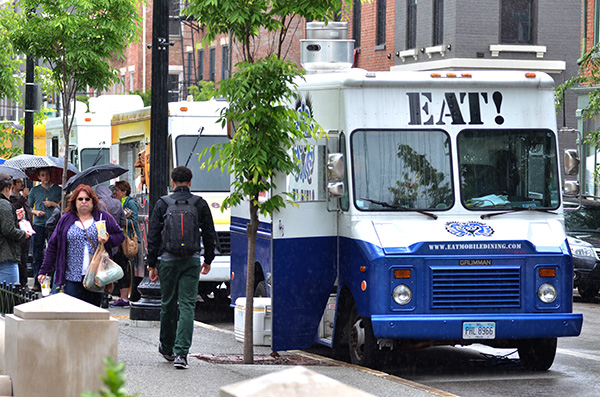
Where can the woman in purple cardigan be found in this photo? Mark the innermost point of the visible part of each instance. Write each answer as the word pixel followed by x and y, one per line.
pixel 74 241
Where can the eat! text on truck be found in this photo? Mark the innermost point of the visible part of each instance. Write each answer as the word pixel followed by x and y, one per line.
pixel 431 216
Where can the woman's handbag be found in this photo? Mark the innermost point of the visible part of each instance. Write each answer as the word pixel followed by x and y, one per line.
pixel 130 244
pixel 90 275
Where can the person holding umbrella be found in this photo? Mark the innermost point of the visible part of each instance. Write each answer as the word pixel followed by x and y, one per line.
pixel 43 198
pixel 18 198
pixel 10 235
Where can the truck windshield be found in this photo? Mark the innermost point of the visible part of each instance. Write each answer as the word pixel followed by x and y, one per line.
pixel 397 170
pixel 513 169
pixel 91 157
pixel 203 180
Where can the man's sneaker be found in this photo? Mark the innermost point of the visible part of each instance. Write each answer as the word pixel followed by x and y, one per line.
pixel 181 362
pixel 120 303
pixel 167 355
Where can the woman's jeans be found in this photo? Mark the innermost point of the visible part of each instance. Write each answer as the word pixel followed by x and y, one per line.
pixel 9 272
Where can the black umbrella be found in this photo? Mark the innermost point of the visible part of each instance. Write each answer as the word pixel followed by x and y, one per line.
pixel 95 175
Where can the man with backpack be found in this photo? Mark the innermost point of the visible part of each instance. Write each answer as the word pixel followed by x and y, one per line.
pixel 176 225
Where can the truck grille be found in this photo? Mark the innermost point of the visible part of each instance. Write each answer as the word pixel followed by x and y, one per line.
pixel 223 243
pixel 476 288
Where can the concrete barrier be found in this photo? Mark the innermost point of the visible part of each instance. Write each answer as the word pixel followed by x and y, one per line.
pixel 56 346
pixel 293 382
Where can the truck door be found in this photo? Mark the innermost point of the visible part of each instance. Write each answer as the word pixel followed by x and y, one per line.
pixel 304 253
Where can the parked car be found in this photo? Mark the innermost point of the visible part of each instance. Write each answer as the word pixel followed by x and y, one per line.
pixel 583 231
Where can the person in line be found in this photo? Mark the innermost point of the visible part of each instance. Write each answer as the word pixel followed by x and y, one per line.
pixel 122 191
pixel 10 235
pixel 43 198
pixel 75 238
pixel 178 275
pixel 18 198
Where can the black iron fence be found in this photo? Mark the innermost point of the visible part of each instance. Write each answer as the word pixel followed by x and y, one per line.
pixel 13 295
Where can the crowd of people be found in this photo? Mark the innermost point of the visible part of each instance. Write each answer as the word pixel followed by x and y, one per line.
pixel 64 241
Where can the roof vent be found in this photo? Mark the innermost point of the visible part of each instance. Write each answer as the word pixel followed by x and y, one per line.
pixel 326 47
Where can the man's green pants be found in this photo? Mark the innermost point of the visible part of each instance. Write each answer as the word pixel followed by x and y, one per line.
pixel 178 283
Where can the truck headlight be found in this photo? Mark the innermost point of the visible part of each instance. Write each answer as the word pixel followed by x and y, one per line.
pixel 402 294
pixel 582 249
pixel 547 293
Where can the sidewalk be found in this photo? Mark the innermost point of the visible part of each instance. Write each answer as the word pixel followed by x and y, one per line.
pixel 150 375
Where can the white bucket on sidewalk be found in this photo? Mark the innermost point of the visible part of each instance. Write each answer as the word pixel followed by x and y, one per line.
pixel 262 321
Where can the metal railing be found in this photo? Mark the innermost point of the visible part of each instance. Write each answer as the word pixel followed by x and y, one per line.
pixel 13 295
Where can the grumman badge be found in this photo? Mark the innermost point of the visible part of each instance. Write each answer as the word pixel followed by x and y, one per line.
pixel 473 228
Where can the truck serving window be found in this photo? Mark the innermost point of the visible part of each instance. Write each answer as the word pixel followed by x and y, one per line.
pixel 397 170
pixel 512 169
pixel 203 180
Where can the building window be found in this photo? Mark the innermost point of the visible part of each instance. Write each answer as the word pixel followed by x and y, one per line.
pixel 211 64
pixel 380 38
pixel 131 81
pixel 173 85
pixel 225 62
pixel 200 65
pixel 411 24
pixel 356 16
pixel 174 11
pixel 517 22
pixel 189 71
pixel 438 22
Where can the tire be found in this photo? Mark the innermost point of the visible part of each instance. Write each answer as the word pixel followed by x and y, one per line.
pixel 588 291
pixel 537 354
pixel 261 289
pixel 362 344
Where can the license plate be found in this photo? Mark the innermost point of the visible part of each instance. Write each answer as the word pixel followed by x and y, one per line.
pixel 477 330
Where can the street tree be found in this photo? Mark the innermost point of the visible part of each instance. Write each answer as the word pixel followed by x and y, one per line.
pixel 77 39
pixel 588 77
pixel 259 93
pixel 10 79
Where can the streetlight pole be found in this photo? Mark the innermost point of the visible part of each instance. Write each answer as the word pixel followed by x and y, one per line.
pixel 148 307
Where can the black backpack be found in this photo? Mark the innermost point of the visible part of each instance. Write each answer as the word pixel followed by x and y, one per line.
pixel 181 228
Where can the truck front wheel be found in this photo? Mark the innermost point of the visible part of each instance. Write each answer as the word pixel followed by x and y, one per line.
pixel 537 354
pixel 364 350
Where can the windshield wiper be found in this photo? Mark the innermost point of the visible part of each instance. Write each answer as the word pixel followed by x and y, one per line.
pixel 200 130
pixel 399 207
pixel 484 216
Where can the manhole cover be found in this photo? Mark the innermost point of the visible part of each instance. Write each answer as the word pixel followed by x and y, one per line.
pixel 261 359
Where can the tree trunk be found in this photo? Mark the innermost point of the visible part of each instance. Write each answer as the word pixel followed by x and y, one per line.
pixel 251 232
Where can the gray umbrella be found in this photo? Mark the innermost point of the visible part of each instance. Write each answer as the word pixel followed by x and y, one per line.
pixel 12 171
pixel 95 175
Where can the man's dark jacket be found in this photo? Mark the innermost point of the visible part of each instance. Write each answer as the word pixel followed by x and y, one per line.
pixel 155 228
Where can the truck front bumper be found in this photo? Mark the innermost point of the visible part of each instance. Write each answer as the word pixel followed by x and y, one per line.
pixel 450 327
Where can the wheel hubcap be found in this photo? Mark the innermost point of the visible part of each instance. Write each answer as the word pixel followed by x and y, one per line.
pixel 357 339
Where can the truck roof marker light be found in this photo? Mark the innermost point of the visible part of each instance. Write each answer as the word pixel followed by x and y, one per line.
pixel 402 273
pixel 363 285
pixel 88 119
pixel 466 75
pixel 363 269
pixel 450 74
pixel 232 274
pixel 530 74
pixel 183 109
pixel 436 75
pixel 546 272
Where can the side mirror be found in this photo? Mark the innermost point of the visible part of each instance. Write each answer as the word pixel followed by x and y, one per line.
pixel 571 188
pixel 335 167
pixel 335 189
pixel 571 162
